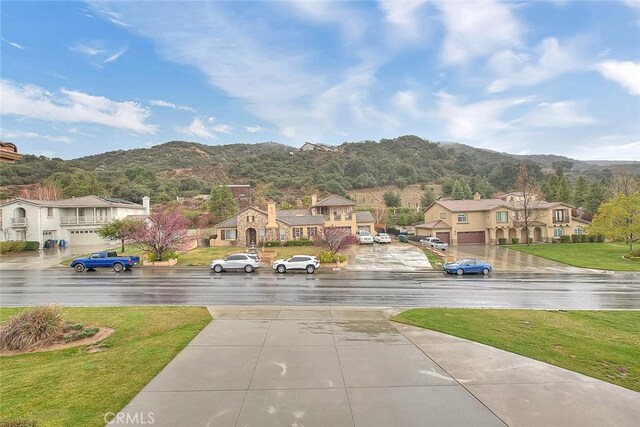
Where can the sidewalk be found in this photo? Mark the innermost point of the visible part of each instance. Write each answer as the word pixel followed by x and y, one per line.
pixel 345 367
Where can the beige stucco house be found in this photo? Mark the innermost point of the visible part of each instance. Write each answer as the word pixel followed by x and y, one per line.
pixel 254 225
pixel 487 220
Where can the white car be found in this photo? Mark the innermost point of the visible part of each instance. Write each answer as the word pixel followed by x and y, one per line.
pixel 382 238
pixel 247 262
pixel 307 263
pixel 434 242
pixel 364 237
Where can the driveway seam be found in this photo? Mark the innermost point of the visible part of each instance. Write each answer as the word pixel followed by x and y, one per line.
pixel 346 390
pixel 453 377
pixel 246 392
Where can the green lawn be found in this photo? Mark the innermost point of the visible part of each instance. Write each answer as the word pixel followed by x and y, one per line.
pixel 601 344
pixel 203 256
pixel 72 387
pixel 603 256
pixel 436 261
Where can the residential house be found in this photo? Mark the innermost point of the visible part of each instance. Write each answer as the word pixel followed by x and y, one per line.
pixel 9 152
pixel 309 146
pixel 253 225
pixel 488 220
pixel 74 220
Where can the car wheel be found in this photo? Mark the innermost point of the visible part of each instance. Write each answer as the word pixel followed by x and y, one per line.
pixel 459 272
pixel 248 269
pixel 485 271
pixel 311 269
pixel 281 269
pixel 79 268
pixel 118 267
pixel 217 268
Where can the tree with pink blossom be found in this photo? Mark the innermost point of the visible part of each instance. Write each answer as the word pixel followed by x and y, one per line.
pixel 336 239
pixel 163 232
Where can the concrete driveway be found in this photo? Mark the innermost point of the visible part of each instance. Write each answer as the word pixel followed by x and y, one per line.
pixel 505 259
pixel 389 257
pixel 285 366
pixel 47 258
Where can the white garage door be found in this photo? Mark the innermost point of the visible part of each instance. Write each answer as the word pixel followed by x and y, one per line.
pixel 84 237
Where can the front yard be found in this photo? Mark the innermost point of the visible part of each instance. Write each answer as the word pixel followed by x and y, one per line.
pixel 600 344
pixel 602 256
pixel 76 387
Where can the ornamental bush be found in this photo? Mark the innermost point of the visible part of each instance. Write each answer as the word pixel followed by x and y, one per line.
pixel 565 238
pixel 515 240
pixel 32 328
pixel 18 246
pixel 575 238
pixel 502 241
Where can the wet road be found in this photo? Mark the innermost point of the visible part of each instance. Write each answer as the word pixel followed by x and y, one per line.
pixel 430 289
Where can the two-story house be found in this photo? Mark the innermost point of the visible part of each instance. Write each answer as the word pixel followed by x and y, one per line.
pixel 488 220
pixel 74 220
pixel 253 225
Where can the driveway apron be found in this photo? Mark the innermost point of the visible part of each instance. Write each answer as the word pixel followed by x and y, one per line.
pixel 278 366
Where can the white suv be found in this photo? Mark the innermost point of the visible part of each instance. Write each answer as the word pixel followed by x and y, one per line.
pixel 307 263
pixel 364 237
pixel 382 238
pixel 247 262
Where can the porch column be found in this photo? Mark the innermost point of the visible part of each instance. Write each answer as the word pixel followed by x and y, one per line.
pixel 77 216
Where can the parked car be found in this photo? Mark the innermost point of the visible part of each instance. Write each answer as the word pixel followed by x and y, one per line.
pixel 307 263
pixel 382 238
pixel 402 238
pixel 105 259
pixel 466 266
pixel 426 240
pixel 247 262
pixel 434 242
pixel 364 237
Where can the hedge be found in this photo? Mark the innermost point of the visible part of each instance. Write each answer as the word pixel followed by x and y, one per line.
pixel 502 240
pixel 565 238
pixel 575 238
pixel 515 240
pixel 302 242
pixel 18 246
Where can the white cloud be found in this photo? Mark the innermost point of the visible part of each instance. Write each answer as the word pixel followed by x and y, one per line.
pixel 253 129
pixel 227 129
pixel 72 107
pixel 351 24
pixel 161 103
pixel 622 151
pixel 403 17
pixel 521 68
pixel 625 73
pixel 558 114
pixel 206 127
pixel 14 44
pixel 407 102
pixel 15 135
pixel 98 52
pixel 477 29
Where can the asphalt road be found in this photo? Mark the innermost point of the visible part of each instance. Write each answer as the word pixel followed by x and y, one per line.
pixel 430 289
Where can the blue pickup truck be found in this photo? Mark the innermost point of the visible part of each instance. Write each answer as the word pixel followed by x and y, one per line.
pixel 106 259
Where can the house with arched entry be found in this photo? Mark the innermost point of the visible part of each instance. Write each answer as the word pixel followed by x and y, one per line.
pixel 489 220
pixel 254 225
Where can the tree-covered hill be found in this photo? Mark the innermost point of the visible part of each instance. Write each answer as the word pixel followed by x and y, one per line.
pixel 186 168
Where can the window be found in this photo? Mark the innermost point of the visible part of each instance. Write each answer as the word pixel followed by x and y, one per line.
pixel 558 215
pixel 311 231
pixel 236 258
pixel 462 217
pixel 283 234
pixel 443 215
pixel 578 230
pixel 49 212
pixel 501 216
pixel 297 232
pixel 228 235
pixel 557 232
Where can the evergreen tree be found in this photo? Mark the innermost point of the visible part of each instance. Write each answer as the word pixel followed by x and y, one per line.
pixel 391 199
pixel 563 191
pixel 595 197
pixel 221 203
pixel 458 191
pixel 550 188
pixel 480 184
pixel 427 198
pixel 580 192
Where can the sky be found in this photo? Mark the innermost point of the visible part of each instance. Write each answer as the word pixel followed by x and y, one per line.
pixel 523 77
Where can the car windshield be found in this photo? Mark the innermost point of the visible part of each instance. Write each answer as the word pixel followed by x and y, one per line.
pixel 365 233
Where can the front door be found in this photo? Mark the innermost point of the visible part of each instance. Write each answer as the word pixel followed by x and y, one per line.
pixel 251 236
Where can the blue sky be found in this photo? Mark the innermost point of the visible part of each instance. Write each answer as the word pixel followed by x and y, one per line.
pixel 550 77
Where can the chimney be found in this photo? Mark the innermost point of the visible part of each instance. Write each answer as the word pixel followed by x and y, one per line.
pixel 146 204
pixel 477 196
pixel 314 199
pixel 271 215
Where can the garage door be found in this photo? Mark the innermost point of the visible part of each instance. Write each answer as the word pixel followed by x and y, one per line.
pixel 443 236
pixel 470 237
pixel 84 237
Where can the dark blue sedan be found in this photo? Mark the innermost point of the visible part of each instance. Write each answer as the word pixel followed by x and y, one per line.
pixel 466 266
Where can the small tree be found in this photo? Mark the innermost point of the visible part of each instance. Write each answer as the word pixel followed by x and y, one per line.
pixel 624 182
pixel 619 219
pixel 427 198
pixel 527 207
pixel 120 229
pixel 391 199
pixel 165 231
pixel 221 202
pixel 461 190
pixel 39 191
pixel 336 239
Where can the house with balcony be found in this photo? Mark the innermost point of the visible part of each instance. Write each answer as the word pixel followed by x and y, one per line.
pixel 74 220
pixel 488 220
pixel 254 225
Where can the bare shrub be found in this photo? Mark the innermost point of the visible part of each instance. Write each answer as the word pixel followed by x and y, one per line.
pixel 32 328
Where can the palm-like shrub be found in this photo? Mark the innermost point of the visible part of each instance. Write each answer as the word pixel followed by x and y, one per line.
pixel 32 328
